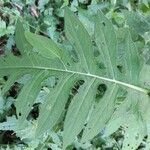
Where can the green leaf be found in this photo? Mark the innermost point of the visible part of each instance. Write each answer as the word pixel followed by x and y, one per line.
pixel 54 104
pixel 2 28
pixel 106 41
pixel 86 115
pixel 29 92
pixel 104 109
pixel 43 45
pixel 21 42
pixel 131 60
pixel 77 35
pixel 137 22
pixel 78 112
pixel 11 80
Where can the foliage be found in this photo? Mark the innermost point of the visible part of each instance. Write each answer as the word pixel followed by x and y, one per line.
pixel 44 81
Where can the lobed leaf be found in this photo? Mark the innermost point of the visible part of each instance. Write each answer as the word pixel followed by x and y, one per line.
pixel 85 116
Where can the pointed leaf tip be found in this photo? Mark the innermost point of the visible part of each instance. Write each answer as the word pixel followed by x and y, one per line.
pixel 45 46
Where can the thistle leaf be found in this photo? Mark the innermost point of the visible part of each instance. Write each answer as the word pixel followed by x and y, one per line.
pixel 85 109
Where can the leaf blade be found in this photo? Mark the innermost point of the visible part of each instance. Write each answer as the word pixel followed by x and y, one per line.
pixel 77 113
pixel 44 46
pixel 80 39
pixel 101 114
pixel 107 43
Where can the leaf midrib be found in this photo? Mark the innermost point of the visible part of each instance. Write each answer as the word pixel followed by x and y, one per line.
pixel 137 88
